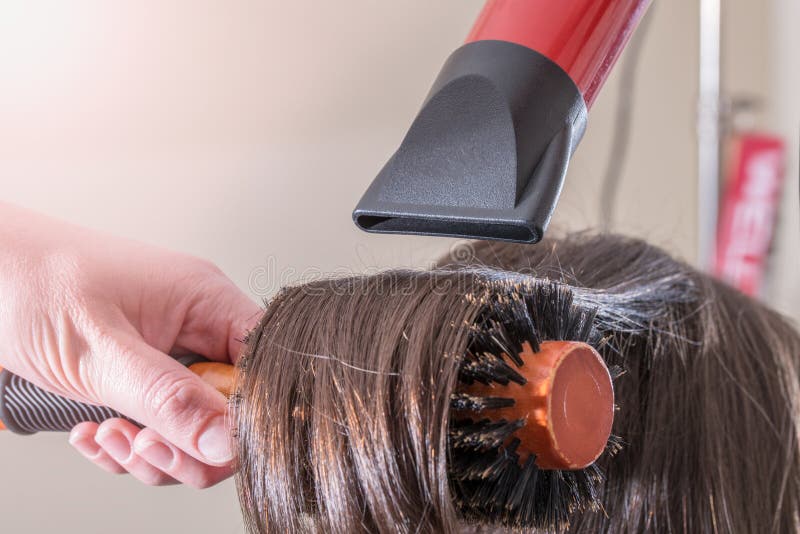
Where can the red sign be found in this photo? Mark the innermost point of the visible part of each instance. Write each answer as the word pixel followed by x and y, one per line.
pixel 748 211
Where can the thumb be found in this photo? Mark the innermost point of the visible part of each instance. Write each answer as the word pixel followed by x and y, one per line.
pixel 153 389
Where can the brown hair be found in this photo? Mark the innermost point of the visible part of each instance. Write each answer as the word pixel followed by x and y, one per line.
pixel 344 396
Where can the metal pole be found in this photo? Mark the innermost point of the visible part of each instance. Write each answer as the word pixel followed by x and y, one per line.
pixel 708 133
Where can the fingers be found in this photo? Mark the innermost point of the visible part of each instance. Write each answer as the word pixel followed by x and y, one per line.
pixel 114 438
pixel 82 438
pixel 176 463
pixel 155 390
pixel 117 446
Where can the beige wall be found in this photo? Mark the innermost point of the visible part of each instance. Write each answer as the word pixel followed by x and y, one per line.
pixel 657 188
pixel 244 132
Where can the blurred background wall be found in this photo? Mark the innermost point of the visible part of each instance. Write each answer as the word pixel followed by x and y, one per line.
pixel 245 131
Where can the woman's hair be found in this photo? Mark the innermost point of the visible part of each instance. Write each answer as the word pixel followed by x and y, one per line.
pixel 343 406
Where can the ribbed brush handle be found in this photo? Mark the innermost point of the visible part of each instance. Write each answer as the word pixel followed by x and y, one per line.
pixel 27 409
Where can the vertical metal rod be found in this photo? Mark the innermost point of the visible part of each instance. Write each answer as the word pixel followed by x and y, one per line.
pixel 708 133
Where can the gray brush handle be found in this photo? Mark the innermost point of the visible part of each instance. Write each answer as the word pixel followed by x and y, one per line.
pixel 27 409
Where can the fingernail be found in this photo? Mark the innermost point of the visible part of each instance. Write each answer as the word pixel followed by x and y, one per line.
pixel 156 454
pixel 115 444
pixel 214 442
pixel 85 445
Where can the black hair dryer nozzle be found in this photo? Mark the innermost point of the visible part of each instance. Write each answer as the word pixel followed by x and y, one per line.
pixel 487 154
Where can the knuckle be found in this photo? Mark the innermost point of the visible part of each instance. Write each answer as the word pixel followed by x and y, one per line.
pixel 172 396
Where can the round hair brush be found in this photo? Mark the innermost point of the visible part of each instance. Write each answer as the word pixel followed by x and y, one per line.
pixel 532 412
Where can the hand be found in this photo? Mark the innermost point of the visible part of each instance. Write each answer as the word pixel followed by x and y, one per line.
pixel 94 318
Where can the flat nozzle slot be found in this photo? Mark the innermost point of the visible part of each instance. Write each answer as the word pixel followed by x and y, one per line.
pixel 519 233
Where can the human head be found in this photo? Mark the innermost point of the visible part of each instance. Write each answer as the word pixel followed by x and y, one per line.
pixel 344 410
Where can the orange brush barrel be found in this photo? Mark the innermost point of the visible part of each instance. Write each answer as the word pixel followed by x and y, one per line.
pixel 567 402
pixel 219 375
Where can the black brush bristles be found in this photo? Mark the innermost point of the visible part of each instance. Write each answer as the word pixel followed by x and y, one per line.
pixel 482 435
pixel 487 368
pixel 490 482
pixel 465 401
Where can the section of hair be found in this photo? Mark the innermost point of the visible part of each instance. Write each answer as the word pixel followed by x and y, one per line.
pixel 343 415
pixel 343 410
